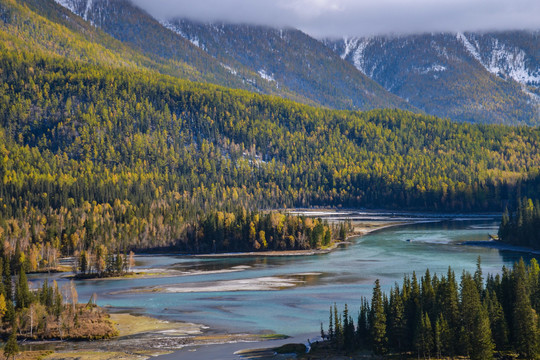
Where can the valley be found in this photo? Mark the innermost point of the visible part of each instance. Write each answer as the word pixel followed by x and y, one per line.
pixel 307 285
pixel 192 187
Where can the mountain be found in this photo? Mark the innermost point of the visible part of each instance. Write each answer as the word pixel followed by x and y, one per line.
pixel 290 58
pixel 487 78
pixel 286 63
pixel 135 27
pixel 491 77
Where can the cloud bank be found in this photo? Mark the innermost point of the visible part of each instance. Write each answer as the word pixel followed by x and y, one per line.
pixel 336 18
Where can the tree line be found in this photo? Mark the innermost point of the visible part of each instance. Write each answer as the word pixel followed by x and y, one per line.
pixel 435 317
pixel 521 226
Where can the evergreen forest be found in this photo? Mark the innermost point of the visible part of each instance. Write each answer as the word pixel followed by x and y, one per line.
pixel 91 156
pixel 434 316
pixel 521 226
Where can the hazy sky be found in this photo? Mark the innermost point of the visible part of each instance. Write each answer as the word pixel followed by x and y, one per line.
pixel 359 17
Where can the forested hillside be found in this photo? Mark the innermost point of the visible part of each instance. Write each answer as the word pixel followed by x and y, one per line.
pixel 131 159
pixel 138 41
pixel 288 57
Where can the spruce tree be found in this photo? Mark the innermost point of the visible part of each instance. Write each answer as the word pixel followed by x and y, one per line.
pixel 11 348
pixel 397 322
pixel 481 343
pixel 23 296
pixel 525 326
pixel 378 321
pixel 499 327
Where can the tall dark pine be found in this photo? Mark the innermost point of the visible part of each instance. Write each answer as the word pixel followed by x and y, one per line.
pixel 378 321
pixel 525 328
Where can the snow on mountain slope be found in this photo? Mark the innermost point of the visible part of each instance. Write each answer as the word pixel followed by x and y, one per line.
pixel 465 76
pixel 290 58
pixel 502 58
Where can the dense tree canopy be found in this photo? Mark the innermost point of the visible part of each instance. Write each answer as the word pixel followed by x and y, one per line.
pixel 129 159
pixel 522 225
pixel 435 317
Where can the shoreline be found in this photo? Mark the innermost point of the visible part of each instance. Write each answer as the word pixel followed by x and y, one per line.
pixel 494 244
pixel 140 337
pixel 359 231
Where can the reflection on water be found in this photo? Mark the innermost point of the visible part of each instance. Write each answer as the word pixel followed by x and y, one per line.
pixel 343 276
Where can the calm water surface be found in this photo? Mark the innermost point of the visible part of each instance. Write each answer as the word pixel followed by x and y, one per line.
pixel 343 276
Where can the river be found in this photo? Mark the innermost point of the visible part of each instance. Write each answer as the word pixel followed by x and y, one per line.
pixel 292 295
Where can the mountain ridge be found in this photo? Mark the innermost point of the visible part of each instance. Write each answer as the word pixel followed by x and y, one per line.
pixel 493 77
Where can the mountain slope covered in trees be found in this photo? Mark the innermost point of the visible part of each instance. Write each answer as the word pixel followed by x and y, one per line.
pixel 92 155
pixel 45 26
pixel 487 78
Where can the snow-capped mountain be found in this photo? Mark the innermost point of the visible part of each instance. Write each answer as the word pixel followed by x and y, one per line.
pixel 493 77
pixel 287 63
pixel 291 58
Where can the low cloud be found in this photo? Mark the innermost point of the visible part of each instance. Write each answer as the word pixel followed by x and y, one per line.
pixel 336 18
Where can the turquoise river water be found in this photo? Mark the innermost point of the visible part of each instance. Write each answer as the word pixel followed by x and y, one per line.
pixel 292 295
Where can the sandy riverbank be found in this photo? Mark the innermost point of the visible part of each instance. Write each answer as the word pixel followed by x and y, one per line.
pixel 140 338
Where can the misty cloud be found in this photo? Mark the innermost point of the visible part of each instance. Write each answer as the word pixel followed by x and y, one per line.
pixel 336 18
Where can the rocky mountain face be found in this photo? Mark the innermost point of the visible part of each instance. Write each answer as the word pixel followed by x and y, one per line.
pixel 491 77
pixel 290 58
pixel 286 63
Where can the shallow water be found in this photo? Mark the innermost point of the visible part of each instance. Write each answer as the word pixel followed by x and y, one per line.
pixel 303 287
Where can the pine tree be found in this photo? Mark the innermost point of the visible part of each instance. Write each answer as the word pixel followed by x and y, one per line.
pixel 443 336
pixel 331 325
pixel 478 276
pixel 378 321
pixel 362 330
pixel 23 297
pixel 481 343
pixel 427 335
pixel 499 327
pixel 397 322
pixel 11 348
pixel 525 320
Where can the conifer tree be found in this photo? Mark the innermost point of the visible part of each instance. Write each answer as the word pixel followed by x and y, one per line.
pixel 499 327
pixel 481 341
pixel 525 322
pixel 378 321
pixel 23 297
pixel 11 349
pixel 424 341
pixel 397 322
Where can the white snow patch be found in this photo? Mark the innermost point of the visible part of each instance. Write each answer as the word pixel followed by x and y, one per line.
pixel 230 69
pixel 510 62
pixel 87 10
pixel 470 47
pixel 67 4
pixel 359 56
pixel 433 68
pixel 504 61
pixel 350 45
pixel 266 76
pixel 176 29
